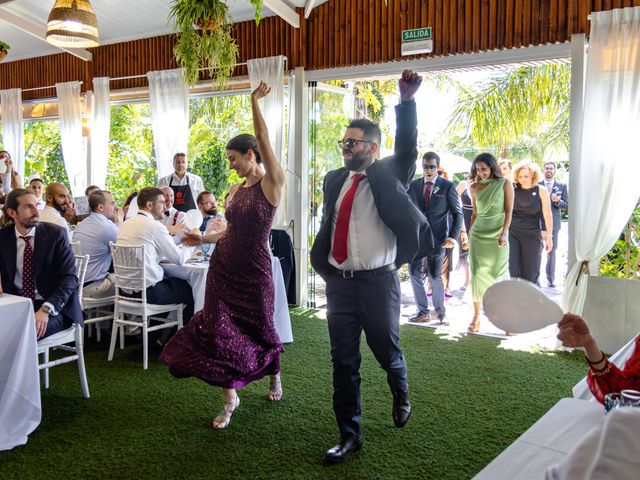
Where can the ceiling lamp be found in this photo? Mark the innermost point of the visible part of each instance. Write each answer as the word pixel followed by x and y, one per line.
pixel 72 24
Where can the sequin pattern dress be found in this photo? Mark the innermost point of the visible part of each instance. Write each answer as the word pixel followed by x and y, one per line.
pixel 233 341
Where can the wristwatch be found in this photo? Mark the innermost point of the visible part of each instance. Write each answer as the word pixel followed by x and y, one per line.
pixel 47 309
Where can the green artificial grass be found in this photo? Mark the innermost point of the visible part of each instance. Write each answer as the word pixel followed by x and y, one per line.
pixel 470 401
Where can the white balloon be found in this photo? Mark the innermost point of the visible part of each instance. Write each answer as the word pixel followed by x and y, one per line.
pixel 192 219
pixel 133 207
pixel 519 306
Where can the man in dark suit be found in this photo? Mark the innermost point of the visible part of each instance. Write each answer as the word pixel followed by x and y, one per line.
pixel 36 261
pixel 559 201
pixel 369 227
pixel 437 199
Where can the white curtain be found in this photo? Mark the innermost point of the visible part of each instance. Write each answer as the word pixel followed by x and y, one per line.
pixel 13 135
pixel 609 142
pixel 100 125
pixel 271 71
pixel 70 123
pixel 169 97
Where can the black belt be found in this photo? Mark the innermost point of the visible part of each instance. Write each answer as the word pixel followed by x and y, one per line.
pixel 87 283
pixel 362 274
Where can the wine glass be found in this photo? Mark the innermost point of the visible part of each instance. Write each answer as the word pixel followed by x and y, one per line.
pixel 204 247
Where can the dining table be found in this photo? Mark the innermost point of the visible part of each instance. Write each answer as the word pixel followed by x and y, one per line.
pixel 546 443
pixel 195 270
pixel 20 407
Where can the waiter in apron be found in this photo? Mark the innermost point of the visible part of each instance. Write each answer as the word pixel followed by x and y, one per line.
pixel 186 186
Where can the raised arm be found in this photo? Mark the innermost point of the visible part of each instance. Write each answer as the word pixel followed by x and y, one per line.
pixel 274 177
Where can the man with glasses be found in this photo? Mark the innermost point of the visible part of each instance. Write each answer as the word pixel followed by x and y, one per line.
pixel 209 209
pixel 438 200
pixel 369 228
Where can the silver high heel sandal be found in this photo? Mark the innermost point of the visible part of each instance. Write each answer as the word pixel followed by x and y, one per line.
pixel 275 388
pixel 223 419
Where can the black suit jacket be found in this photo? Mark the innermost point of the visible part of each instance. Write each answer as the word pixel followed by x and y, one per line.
pixel 54 265
pixel 444 201
pixel 559 189
pixel 388 179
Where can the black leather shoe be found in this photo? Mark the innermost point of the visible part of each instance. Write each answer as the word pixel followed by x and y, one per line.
pixel 345 447
pixel 401 409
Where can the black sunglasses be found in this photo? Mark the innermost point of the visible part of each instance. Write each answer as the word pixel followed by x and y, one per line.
pixel 350 143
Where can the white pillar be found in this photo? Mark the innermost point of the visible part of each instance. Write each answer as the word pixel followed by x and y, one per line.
pixel 578 67
pixel 299 191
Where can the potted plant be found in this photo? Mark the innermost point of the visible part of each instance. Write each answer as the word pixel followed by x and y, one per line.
pixel 204 38
pixel 4 49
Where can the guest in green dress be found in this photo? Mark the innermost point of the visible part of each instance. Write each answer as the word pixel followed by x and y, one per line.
pixel 492 201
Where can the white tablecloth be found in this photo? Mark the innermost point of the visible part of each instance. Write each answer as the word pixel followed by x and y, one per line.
pixel 20 409
pixel 546 443
pixel 196 275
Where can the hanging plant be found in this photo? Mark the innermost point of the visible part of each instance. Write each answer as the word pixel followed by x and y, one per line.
pixel 4 49
pixel 204 30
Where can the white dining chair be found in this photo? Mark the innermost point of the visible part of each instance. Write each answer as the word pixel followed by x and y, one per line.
pixel 70 340
pixel 130 276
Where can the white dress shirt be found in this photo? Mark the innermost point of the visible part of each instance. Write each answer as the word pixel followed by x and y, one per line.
pixel 40 204
pixel 143 229
pixel 94 234
pixel 370 243
pixel 51 215
pixel 172 217
pixel 17 280
pixel 195 183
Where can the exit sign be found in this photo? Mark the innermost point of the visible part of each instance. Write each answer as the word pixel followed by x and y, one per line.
pixel 416 41
pixel 416 34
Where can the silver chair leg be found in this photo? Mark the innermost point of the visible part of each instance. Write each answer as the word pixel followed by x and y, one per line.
pixel 114 334
pixel 81 368
pixel 45 373
pixel 145 342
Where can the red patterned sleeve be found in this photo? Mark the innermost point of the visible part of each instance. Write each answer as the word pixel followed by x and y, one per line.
pixel 613 379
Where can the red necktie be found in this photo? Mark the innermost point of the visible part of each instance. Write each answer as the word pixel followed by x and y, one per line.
pixel 427 194
pixel 28 283
pixel 342 223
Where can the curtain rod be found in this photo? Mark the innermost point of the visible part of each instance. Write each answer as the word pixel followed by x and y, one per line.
pixel 131 77
pixel 40 88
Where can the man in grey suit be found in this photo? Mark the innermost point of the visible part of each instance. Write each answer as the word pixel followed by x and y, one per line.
pixel 559 201
pixel 369 227
pixel 437 199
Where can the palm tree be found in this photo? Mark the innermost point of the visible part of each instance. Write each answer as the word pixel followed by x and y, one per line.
pixel 520 112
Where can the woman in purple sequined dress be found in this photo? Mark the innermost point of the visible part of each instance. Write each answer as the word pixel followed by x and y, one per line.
pixel 233 341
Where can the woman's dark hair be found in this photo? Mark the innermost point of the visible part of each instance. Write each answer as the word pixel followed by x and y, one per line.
pixel 488 160
pixel 242 143
pixel 129 199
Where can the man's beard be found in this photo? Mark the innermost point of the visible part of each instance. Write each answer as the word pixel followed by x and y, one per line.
pixel 212 211
pixel 356 161
pixel 59 207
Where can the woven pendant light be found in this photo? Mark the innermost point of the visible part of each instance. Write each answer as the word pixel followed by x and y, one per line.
pixel 72 24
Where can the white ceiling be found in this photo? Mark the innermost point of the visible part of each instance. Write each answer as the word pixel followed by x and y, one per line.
pixel 118 21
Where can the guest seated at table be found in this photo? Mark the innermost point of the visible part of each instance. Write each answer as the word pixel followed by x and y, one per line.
pixel 37 185
pixel 171 218
pixel 94 234
pixel 209 209
pixel 10 179
pixel 57 206
pixel 36 262
pixel 127 202
pixel 143 229
pixel 603 377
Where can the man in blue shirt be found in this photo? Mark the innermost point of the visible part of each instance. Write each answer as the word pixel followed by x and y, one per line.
pixel 94 234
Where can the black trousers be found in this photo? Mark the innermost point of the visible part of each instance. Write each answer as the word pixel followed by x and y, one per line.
pixel 354 305
pixel 172 290
pixel 551 259
pixel 525 254
pixel 56 323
